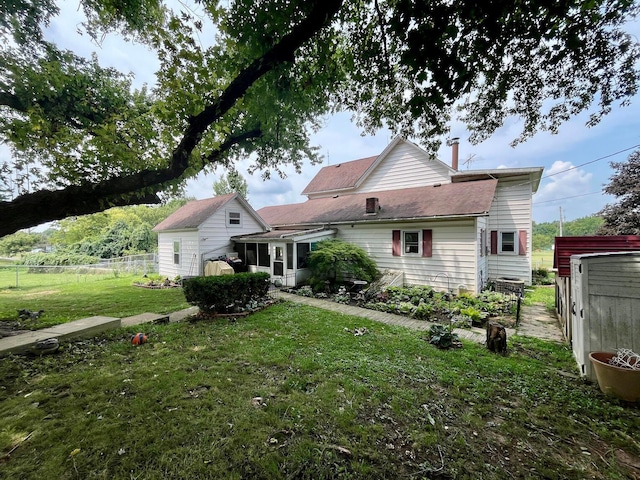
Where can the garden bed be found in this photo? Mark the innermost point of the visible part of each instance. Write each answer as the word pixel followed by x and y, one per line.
pixel 424 303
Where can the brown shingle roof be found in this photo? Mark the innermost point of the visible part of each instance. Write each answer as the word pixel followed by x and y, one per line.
pixel 453 199
pixel 193 214
pixel 340 176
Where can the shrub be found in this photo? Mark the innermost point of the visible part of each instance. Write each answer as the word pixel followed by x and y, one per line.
pixel 338 262
pixel 442 337
pixel 226 293
pixel 305 291
pixel 541 276
pixel 475 315
pixel 423 311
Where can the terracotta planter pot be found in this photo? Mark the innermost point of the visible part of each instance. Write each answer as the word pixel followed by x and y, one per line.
pixel 623 383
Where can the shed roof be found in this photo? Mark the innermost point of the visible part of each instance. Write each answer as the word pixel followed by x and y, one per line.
pixel 284 234
pixel 448 200
pixel 567 246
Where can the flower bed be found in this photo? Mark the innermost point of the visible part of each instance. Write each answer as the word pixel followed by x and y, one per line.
pixel 424 303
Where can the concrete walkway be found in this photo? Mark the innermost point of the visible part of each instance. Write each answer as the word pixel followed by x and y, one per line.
pixel 536 321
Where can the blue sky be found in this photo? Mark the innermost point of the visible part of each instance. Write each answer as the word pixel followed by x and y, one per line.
pixel 577 190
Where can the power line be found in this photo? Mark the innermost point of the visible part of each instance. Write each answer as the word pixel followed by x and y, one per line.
pixel 530 182
pixel 592 161
pixel 565 198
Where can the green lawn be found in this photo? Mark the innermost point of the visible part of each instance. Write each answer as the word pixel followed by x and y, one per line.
pixel 542 259
pixel 292 393
pixel 107 296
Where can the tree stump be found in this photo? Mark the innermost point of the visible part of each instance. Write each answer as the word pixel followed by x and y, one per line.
pixel 496 337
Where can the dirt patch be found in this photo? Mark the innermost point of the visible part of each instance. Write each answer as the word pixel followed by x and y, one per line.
pixel 42 293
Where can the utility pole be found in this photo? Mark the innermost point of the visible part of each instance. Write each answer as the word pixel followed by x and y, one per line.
pixel 560 220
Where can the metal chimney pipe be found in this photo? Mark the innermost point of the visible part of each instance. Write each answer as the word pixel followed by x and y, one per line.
pixel 454 153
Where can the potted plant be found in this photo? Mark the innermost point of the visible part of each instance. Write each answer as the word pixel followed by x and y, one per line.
pixel 618 373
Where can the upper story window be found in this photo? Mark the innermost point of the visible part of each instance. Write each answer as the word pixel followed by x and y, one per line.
pixel 234 219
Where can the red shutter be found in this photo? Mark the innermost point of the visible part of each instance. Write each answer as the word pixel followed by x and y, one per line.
pixel 396 247
pixel 427 243
pixel 494 242
pixel 522 246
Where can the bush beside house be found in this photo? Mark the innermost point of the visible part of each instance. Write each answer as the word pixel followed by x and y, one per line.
pixel 335 262
pixel 226 293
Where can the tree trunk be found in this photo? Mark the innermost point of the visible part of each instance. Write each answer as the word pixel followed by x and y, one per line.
pixel 496 337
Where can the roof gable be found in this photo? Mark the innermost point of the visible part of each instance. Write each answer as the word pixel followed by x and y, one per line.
pixel 195 213
pixel 448 200
pixel 350 176
pixel 338 177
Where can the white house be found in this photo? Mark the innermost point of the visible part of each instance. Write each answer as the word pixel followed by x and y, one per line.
pixel 414 214
pixel 411 212
pixel 202 230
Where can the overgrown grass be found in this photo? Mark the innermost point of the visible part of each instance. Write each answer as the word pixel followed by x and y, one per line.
pixel 111 297
pixel 332 405
pixel 542 295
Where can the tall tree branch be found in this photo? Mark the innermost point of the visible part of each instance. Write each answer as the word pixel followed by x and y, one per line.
pixel 32 209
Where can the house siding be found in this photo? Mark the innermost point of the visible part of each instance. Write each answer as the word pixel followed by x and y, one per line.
pixel 453 261
pixel 511 211
pixel 215 233
pixel 405 167
pixel 189 248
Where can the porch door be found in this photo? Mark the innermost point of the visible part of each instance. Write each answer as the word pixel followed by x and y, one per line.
pixel 278 263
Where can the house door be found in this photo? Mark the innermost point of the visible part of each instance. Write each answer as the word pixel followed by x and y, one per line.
pixel 278 264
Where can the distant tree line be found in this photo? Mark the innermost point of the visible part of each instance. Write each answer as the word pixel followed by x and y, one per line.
pixel 113 233
pixel 544 233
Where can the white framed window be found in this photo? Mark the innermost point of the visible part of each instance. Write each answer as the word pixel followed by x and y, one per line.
pixel 508 242
pixel 176 252
pixel 234 219
pixel 411 243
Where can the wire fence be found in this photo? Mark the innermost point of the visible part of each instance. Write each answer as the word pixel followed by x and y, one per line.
pixel 22 276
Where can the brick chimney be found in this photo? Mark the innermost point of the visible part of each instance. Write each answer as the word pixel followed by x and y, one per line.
pixel 454 153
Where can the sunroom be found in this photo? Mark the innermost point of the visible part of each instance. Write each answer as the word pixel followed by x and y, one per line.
pixel 283 254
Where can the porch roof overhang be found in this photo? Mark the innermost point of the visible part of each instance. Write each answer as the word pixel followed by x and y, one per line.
pixel 286 235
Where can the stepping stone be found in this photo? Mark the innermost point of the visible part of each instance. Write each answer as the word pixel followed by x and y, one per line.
pixel 85 327
pixel 144 318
